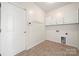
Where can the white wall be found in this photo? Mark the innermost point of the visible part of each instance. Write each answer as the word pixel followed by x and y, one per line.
pixel 64 9
pixel 37 28
pixel 72 37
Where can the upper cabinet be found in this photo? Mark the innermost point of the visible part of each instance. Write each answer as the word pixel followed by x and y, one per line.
pixel 49 20
pixel 71 15
pixel 64 15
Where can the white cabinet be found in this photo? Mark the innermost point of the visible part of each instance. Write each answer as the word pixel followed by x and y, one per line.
pixel 65 15
pixel 54 20
pixel 50 20
pixel 71 16
pixel 59 18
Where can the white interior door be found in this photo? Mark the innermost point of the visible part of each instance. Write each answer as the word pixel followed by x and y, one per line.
pixel 19 29
pixel 13 28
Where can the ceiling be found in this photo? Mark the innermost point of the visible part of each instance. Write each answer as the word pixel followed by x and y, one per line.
pixel 48 6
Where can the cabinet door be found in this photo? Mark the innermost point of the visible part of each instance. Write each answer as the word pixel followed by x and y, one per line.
pixel 51 20
pixel 59 20
pixel 71 16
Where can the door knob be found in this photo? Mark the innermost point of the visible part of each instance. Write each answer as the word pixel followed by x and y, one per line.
pixel 24 32
pixel 29 22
